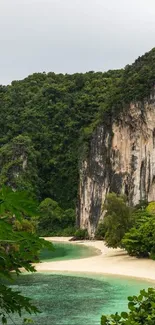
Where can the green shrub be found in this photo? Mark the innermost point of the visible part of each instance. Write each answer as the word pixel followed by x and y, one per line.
pixel 141 311
pixel 140 241
pixel 100 231
pixel 140 217
pixel 81 234
pixel 118 219
pixel 141 205
pixel 68 231
pixel 54 221
pixel 133 243
pixel 151 208
pixel 152 254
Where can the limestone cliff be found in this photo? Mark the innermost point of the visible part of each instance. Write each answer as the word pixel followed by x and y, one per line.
pixel 121 159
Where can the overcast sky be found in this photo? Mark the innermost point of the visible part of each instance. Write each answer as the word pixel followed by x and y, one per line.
pixel 72 35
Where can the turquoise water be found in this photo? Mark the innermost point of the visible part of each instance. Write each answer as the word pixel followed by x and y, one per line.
pixel 68 299
pixel 74 299
pixel 67 251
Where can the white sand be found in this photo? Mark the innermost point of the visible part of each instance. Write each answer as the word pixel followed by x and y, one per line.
pixel 108 261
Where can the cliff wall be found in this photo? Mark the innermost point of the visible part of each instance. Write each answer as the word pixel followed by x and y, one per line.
pixel 121 159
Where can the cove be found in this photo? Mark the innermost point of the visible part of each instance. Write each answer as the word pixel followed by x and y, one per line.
pixel 67 251
pixel 76 299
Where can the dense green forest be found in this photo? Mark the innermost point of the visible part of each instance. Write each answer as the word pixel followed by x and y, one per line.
pixel 46 121
pixel 50 112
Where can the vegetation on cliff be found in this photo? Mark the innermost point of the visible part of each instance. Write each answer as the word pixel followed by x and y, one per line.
pixel 49 112
pixel 46 121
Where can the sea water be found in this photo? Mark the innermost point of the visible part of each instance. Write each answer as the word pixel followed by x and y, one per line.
pixel 75 299
pixel 68 299
pixel 67 251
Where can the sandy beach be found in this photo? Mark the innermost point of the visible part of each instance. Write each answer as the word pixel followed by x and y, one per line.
pixel 108 261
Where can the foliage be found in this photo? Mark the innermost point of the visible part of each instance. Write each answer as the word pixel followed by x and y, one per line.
pixel 139 78
pixel 54 220
pixel 59 113
pixel 18 247
pixel 100 231
pixel 118 219
pixel 67 232
pixel 141 205
pixel 18 165
pixel 140 240
pixel 47 122
pixel 141 311
pixel 81 234
pixel 25 225
pixel 151 208
pixel 52 110
pixel 140 217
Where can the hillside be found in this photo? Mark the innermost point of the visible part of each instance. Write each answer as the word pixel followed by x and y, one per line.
pixel 46 120
pixel 51 110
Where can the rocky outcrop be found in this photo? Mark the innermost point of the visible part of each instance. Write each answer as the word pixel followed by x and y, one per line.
pixel 121 159
pixel 18 164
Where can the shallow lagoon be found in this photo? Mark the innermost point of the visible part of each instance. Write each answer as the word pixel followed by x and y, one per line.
pixel 75 299
pixel 68 299
pixel 67 251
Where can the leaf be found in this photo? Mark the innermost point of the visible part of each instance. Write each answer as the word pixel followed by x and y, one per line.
pixel 4 320
pixel 17 250
pixel 130 298
pixel 131 306
pixel 124 315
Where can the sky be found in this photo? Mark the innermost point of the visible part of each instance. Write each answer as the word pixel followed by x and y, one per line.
pixel 70 36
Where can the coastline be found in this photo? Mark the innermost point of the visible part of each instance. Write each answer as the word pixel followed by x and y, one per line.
pixel 109 261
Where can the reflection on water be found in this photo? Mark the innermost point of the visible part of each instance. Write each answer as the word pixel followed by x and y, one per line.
pixel 76 300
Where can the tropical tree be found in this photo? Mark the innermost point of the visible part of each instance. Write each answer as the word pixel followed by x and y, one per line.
pixel 118 219
pixel 139 241
pixel 17 250
pixel 54 220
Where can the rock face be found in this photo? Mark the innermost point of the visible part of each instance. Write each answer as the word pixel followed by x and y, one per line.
pixel 121 159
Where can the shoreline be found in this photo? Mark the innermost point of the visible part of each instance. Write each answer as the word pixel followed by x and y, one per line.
pixel 109 261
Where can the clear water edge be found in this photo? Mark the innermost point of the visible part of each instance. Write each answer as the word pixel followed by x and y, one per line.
pixel 68 298
pixel 68 251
